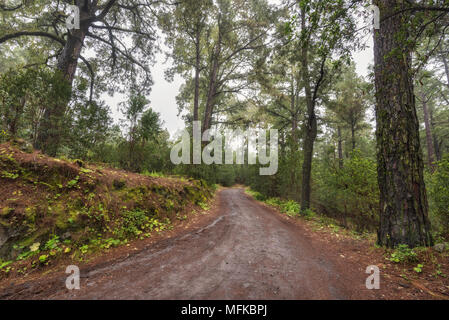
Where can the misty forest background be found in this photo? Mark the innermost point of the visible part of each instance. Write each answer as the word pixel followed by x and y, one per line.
pixel 249 64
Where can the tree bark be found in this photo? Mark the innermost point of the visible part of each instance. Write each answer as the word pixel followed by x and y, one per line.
pixel 353 136
pixel 49 137
pixel 446 68
pixel 310 129
pixel 197 75
pixel 403 200
pixel 436 146
pixel 340 148
pixel 212 90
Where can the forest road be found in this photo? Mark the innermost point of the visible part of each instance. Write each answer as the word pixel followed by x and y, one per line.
pixel 248 252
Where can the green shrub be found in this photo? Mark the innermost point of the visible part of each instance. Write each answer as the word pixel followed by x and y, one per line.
pixel 290 207
pixel 133 222
pixel 351 192
pixel 256 195
pixel 438 189
pixel 308 213
pixel 403 254
pixel 153 174
pixel 276 202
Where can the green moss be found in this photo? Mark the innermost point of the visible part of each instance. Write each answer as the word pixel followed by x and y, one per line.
pixel 5 223
pixel 169 205
pixel 35 237
pixel 30 214
pixel 6 211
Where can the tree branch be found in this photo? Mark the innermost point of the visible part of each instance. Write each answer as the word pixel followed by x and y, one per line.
pixel 33 34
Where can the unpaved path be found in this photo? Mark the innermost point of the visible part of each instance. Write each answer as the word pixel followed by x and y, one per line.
pixel 248 252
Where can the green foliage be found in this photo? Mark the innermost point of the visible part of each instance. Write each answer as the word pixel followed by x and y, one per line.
pixel 256 195
pixel 72 183
pixel 203 206
pixel 110 242
pixel 52 243
pixel 153 174
pixel 352 191
pixel 4 266
pixel 84 249
pixel 438 189
pixel 9 175
pixel 403 254
pixel 135 222
pixel 43 258
pixel 291 208
pixel 309 213
pixel 418 268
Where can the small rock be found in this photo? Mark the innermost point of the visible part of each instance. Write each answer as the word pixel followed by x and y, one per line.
pixel 66 236
pixel 441 247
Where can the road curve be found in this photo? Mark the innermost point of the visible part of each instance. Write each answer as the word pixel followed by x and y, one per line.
pixel 248 252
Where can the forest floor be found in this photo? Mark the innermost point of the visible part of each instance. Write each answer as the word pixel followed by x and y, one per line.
pixel 242 249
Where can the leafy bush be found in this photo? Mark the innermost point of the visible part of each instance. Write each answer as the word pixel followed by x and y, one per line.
pixel 276 202
pixel 52 243
pixel 153 174
pixel 290 207
pixel 352 191
pixel 438 189
pixel 403 254
pixel 309 213
pixel 256 195
pixel 134 222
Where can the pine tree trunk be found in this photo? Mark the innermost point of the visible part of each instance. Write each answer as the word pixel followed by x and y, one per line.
pixel 49 137
pixel 197 77
pixel 446 68
pixel 310 125
pixel 353 137
pixel 436 146
pixel 207 121
pixel 403 201
pixel 340 148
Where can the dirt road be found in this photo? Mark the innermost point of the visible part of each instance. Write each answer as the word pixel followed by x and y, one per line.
pixel 247 252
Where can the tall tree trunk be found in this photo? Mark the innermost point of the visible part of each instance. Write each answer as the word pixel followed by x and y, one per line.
pixel 310 125
pixel 340 148
pixel 197 76
pixel 436 146
pixel 353 137
pixel 215 63
pixel 49 137
pixel 403 201
pixel 429 140
pixel 68 59
pixel 446 67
